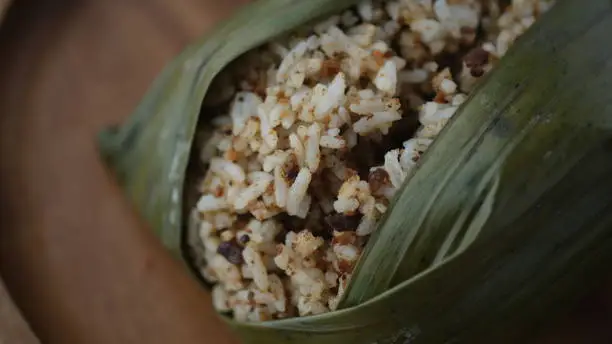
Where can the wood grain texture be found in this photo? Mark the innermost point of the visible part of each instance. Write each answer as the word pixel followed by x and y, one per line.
pixel 80 265
pixel 4 5
pixel 13 328
pixel 78 262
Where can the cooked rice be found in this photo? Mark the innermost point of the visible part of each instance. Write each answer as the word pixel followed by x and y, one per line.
pixel 294 186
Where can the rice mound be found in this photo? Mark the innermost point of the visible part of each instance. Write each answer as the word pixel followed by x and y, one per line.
pixel 321 130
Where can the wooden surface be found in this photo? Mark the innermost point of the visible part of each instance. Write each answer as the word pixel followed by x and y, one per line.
pixel 4 5
pixel 13 328
pixel 75 259
pixel 68 240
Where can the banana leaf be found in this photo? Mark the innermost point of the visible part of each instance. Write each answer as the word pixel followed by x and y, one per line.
pixel 506 220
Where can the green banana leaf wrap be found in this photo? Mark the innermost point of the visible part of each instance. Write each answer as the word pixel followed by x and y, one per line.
pixel 507 218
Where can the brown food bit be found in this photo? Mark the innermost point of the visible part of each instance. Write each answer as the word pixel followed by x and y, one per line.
pixel 231 251
pixel 326 235
pixel 439 78
pixel 354 116
pixel 477 72
pixel 537 10
pixel 251 299
pixel 344 238
pixel 340 55
pixel 379 57
pixel 449 60
pixel 242 221
pixel 261 211
pixel 377 179
pixel 405 127
pixel 468 35
pixel 475 60
pixel 261 84
pixel 292 173
pixel 281 94
pixel 264 316
pixel 440 98
pixel 330 67
pixel 260 92
pixel 218 191
pixel 344 266
pixel 231 155
pixel 392 103
pixel 290 168
pixel 402 21
pixel 367 153
pixel 244 239
pixel 363 81
pixel 282 98
pixel 291 223
pixel 349 173
pixel 310 261
pixel 342 222
pixel 289 313
pixel 310 82
pixel 321 264
pixel 466 30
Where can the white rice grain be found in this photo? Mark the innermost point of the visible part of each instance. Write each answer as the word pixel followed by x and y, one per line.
pixel 220 298
pixel 313 154
pixel 378 120
pixel 281 188
pixel 278 291
pixel 346 205
pixel 368 106
pixel 367 225
pixel 298 148
pixel 228 273
pixel 263 232
pixel 272 161
pixel 253 191
pixel 209 203
pixel 290 60
pixel 331 97
pixel 306 243
pixel 226 168
pixel 366 10
pixel 298 190
pixel 254 261
pixel 386 78
pixel 244 106
pixel 304 207
pixel 332 142
pixel 393 168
